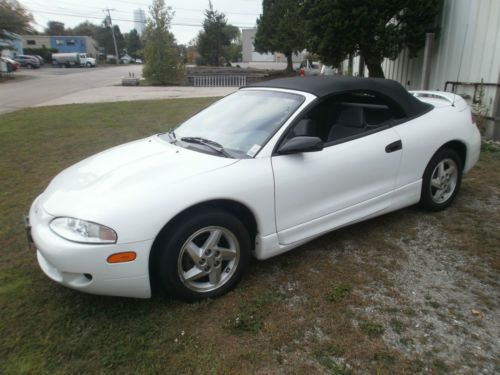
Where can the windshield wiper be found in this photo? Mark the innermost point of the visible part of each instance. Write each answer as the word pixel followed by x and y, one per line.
pixel 171 134
pixel 207 142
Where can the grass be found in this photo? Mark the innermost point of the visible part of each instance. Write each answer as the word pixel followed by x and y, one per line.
pixel 338 292
pixel 285 322
pixel 372 329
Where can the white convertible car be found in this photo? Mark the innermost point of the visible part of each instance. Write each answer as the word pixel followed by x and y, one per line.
pixel 257 173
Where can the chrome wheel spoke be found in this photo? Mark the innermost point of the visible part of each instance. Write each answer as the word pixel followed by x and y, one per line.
pixel 225 254
pixel 194 274
pixel 214 276
pixel 451 170
pixel 212 240
pixel 435 182
pixel 194 251
pixel 441 169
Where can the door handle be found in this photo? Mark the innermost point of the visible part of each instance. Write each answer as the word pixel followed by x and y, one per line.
pixel 394 146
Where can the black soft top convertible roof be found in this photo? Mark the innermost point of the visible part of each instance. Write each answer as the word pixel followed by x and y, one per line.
pixel 323 86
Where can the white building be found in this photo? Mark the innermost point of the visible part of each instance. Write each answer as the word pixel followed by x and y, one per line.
pixel 139 20
pixel 465 52
pixel 249 54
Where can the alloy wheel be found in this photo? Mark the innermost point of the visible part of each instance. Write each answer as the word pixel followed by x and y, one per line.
pixel 444 180
pixel 208 259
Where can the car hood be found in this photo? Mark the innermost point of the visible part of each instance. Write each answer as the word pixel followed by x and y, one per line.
pixel 123 173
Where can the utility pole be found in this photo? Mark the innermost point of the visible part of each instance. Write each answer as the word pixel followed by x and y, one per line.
pixel 112 33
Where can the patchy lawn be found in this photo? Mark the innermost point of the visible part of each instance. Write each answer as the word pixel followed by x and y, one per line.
pixel 409 292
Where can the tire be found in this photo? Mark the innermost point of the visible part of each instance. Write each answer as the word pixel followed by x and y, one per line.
pixel 211 246
pixel 29 66
pixel 441 180
pixel 89 65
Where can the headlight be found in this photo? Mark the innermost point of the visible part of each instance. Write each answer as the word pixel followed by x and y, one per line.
pixel 82 231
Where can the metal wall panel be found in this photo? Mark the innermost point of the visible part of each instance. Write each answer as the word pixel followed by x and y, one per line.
pixel 467 49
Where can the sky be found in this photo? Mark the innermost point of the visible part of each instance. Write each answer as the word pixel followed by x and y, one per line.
pixel 185 25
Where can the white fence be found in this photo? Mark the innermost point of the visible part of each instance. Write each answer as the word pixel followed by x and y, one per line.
pixel 219 81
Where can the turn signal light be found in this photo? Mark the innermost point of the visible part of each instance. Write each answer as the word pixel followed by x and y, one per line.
pixel 127 256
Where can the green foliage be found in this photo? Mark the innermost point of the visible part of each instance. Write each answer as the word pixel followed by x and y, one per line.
pixel 219 41
pixel 55 28
pixel 338 292
pixel 104 38
pixel 372 28
pixel 280 28
pixel 84 29
pixel 134 43
pixel 250 315
pixel 163 65
pixel 14 18
pixel 372 329
pixel 45 52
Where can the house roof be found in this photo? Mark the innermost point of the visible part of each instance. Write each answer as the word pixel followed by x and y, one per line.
pixel 323 86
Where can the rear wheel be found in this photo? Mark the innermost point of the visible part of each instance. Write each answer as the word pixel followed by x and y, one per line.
pixel 441 180
pixel 203 256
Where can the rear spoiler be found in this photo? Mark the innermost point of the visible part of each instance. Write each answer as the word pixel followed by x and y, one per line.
pixel 454 99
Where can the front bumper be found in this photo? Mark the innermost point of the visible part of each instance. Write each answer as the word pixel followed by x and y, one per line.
pixel 84 267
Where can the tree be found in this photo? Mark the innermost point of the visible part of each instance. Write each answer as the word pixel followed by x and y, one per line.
pixel 374 29
pixel 214 41
pixel 162 62
pixel 14 18
pixel 280 28
pixel 134 44
pixel 84 29
pixel 104 38
pixel 55 28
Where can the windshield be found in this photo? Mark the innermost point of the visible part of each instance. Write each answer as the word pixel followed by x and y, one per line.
pixel 242 122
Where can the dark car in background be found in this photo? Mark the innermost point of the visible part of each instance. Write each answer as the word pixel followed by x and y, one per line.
pixel 28 61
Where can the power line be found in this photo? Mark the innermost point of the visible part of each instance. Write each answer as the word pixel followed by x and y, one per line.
pixel 195 10
pixel 122 19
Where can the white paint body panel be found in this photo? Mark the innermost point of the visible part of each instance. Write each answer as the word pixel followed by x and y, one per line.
pixel 137 188
pixel 313 190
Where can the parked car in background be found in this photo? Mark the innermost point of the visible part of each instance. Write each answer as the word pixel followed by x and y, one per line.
pixel 74 59
pixel 139 61
pixel 259 172
pixel 127 59
pixel 40 58
pixel 28 61
pixel 309 68
pixel 12 65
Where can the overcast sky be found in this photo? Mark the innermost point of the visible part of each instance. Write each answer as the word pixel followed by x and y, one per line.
pixel 185 25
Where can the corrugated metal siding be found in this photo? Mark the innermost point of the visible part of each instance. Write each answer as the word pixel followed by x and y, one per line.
pixel 467 49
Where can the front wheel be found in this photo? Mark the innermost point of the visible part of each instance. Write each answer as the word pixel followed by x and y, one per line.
pixel 441 180
pixel 204 256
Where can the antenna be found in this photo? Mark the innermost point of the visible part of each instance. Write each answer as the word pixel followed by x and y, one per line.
pixel 460 65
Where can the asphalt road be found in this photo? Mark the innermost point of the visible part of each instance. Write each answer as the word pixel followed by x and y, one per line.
pixel 47 84
pixel 56 86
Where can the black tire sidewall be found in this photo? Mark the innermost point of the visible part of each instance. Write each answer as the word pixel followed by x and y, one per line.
pixel 174 239
pixel 426 200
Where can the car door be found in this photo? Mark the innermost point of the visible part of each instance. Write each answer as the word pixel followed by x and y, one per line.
pixel 345 182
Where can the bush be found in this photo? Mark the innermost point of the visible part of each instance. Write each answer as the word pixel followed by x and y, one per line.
pixel 46 53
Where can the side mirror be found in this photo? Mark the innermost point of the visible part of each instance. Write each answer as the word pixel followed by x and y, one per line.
pixel 301 144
